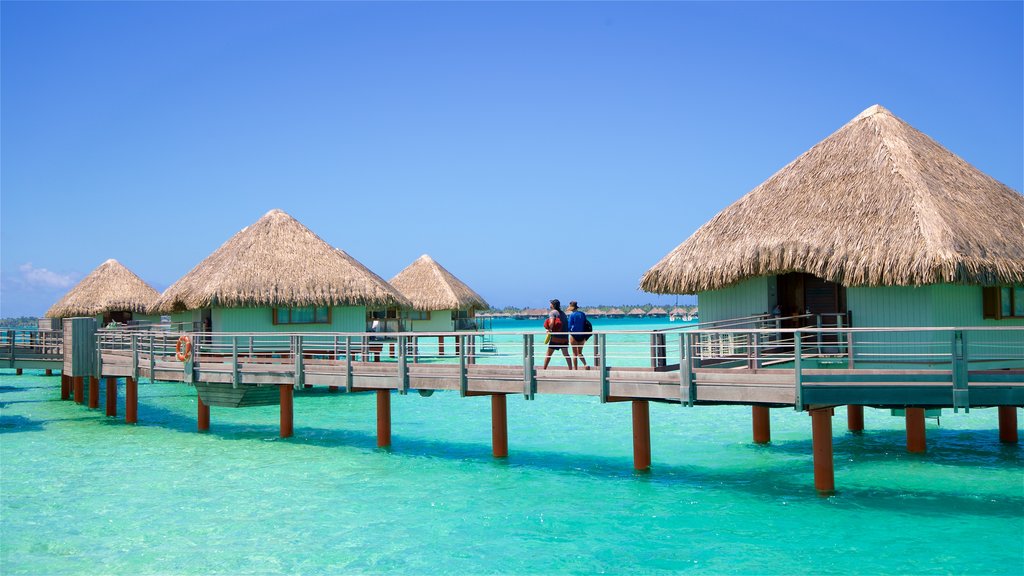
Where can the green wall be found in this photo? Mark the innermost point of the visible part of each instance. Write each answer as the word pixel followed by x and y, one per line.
pixel 746 298
pixel 440 321
pixel 343 319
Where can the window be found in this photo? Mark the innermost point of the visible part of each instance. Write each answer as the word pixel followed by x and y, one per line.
pixel 419 315
pixel 1000 302
pixel 303 315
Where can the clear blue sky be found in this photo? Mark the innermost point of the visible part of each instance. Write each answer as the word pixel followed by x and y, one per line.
pixel 536 150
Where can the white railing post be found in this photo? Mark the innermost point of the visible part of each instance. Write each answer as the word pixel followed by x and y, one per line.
pixel 798 403
pixel 602 342
pixel 529 377
pixel 403 366
pixel 234 361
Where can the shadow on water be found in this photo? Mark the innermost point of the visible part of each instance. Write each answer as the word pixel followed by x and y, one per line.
pixel 784 480
pixel 14 424
pixel 968 448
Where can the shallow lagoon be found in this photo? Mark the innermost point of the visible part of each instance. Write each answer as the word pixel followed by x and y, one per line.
pixel 86 494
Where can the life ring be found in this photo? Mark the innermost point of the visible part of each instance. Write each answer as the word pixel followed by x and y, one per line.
pixel 183 349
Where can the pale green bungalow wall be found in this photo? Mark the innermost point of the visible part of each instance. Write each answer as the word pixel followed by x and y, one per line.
pixel 343 319
pixel 440 321
pixel 746 298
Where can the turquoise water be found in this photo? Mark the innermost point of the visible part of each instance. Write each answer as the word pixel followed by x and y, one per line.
pixel 81 493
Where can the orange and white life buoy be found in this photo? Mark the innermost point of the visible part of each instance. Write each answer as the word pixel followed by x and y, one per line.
pixel 183 349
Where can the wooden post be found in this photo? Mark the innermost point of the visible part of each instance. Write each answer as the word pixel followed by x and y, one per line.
pixel 440 345
pixel 65 387
pixel 855 418
pixel 287 412
pixel 458 344
pixel 79 389
pixel 111 396
pixel 1008 424
pixel 821 447
pixel 49 371
pixel 499 426
pixel 383 418
pixel 94 392
pixel 203 416
pixel 641 435
pixel 762 424
pixel 131 400
pixel 17 371
pixel 915 430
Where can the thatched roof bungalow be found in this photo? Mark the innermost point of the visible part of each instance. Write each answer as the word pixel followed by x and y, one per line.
pixel 657 312
pixel 615 313
pixel 877 219
pixel 277 275
pixel 111 293
pixel 440 301
pixel 636 313
pixel 595 312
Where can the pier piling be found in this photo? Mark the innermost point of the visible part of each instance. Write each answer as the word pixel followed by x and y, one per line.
pixel 641 435
pixel 111 403
pixel 915 430
pixel 383 418
pixel 287 411
pixel 79 386
pixel 131 400
pixel 203 417
pixel 855 418
pixel 94 392
pixel 49 371
pixel 821 447
pixel 499 425
pixel 17 371
pixel 762 424
pixel 1008 424
pixel 65 387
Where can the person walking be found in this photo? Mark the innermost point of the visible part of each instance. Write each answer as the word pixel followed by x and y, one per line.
pixel 579 333
pixel 556 325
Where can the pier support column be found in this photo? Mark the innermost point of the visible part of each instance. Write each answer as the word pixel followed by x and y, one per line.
pixel 440 345
pixel 383 418
pixel 287 411
pixel 65 387
pixel 49 371
pixel 94 392
pixel 203 416
pixel 915 430
pixel 762 424
pixel 641 435
pixel 332 388
pixel 821 447
pixel 499 425
pixel 111 402
pixel 131 400
pixel 855 418
pixel 17 371
pixel 79 387
pixel 1008 424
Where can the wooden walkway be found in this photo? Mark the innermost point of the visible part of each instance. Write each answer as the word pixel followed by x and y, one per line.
pixel 810 370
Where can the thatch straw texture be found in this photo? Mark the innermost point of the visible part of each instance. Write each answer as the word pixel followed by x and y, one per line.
pixel 277 262
pixel 876 203
pixel 657 312
pixel 429 286
pixel 109 288
pixel 636 312
pixel 594 312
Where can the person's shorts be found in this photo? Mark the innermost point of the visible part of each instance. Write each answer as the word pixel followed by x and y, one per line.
pixel 558 342
pixel 580 340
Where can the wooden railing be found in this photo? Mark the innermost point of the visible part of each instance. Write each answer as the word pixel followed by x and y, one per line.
pixel 957 367
pixel 30 344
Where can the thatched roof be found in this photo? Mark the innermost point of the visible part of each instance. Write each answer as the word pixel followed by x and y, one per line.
pixel 430 287
pixel 657 312
pixel 109 288
pixel 615 312
pixel 636 312
pixel 278 262
pixel 876 203
pixel 594 312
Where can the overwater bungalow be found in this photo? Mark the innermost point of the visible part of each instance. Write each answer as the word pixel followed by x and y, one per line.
pixel 657 312
pixel 440 301
pixel 594 312
pixel 110 293
pixel 276 275
pixel 615 313
pixel 876 225
pixel 636 313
